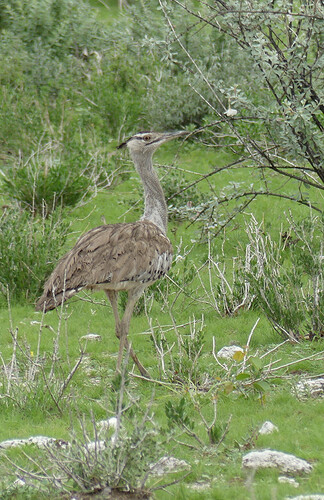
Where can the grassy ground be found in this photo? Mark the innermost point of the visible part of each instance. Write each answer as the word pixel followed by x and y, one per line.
pixel 300 423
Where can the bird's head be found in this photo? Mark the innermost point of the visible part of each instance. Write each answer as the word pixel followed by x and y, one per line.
pixel 146 143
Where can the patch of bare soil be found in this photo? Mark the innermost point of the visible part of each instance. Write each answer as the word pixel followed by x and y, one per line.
pixel 111 494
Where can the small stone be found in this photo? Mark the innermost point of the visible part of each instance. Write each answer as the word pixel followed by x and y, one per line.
pixel 110 423
pixel 168 464
pixel 19 482
pixel 288 480
pixel 198 486
pixel 96 445
pixel 227 352
pixel 268 428
pixel 310 388
pixel 285 462
pixel 40 441
pixel 92 337
pixel 307 497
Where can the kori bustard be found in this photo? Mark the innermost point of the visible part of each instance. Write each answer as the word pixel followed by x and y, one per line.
pixel 126 256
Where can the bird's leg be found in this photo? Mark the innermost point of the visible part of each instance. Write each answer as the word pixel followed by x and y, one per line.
pixel 123 337
pixel 122 328
pixel 112 296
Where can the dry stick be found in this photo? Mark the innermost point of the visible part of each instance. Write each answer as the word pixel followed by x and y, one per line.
pixel 14 334
pixel 248 344
pixel 210 261
pixel 66 469
pixel 159 349
pixel 167 328
pixel 121 392
pixel 274 348
pixel 207 426
pixel 70 375
pixel 221 439
pixel 313 356
pixel 24 471
pixel 216 358
pixel 51 478
pixel 168 385
pixel 49 389
pixel 176 481
pixel 203 286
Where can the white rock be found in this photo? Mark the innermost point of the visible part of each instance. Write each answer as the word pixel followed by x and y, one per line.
pixel 40 441
pixel 227 352
pixel 312 388
pixel 168 464
pixel 307 497
pixel 198 486
pixel 19 482
pixel 96 445
pixel 268 428
pixel 288 480
pixel 92 336
pixel 271 458
pixel 110 423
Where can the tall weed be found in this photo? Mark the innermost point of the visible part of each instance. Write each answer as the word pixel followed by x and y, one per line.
pixel 287 276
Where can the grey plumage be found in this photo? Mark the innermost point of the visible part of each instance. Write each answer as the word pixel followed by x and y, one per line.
pixel 116 257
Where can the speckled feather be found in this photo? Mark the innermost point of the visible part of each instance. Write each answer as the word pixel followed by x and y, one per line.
pixel 113 256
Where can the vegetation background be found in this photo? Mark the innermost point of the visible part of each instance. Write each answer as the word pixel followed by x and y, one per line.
pixel 245 196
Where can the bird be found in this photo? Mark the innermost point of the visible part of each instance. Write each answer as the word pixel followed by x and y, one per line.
pixel 124 256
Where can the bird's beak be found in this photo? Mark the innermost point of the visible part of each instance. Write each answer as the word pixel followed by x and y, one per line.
pixel 122 145
pixel 168 136
pixel 173 135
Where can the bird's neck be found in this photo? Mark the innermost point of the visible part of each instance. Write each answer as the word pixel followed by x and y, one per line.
pixel 155 207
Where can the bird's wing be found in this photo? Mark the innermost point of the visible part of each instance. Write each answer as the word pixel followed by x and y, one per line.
pixel 109 254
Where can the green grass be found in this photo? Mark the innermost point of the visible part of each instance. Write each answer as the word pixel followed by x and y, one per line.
pixel 300 422
pixel 107 11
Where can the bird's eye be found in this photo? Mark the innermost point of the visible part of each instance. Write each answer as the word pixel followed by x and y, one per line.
pixel 147 138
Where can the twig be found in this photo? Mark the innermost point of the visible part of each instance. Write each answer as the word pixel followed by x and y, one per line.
pixel 248 344
pixel 70 375
pixel 169 385
pixel 313 356
pixel 216 358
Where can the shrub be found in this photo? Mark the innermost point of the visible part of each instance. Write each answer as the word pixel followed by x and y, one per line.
pixel 277 123
pixel 287 277
pixel 117 456
pixel 50 179
pixel 29 247
pixel 171 73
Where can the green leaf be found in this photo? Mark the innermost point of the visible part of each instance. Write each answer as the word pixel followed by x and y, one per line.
pixel 256 363
pixel 243 376
pixel 262 386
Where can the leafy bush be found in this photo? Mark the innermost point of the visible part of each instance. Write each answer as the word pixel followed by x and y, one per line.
pixel 50 179
pixel 170 71
pixel 29 247
pixel 66 73
pixel 183 203
pixel 41 55
pixel 277 123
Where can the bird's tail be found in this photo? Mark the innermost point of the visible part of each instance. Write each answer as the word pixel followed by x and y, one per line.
pixel 51 299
